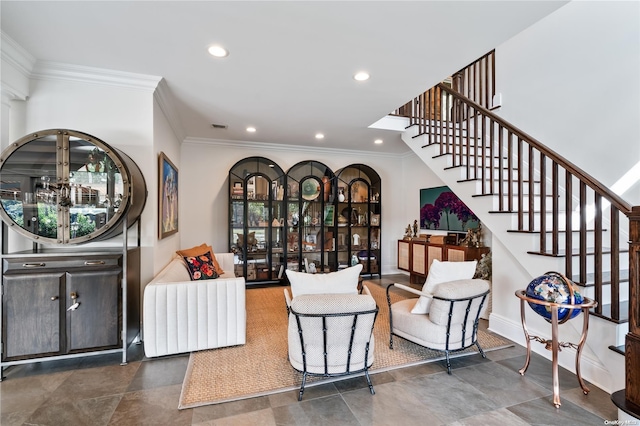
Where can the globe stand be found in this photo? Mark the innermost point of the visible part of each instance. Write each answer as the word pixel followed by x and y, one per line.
pixel 554 345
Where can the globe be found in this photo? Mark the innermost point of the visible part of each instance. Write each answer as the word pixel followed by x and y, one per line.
pixel 554 287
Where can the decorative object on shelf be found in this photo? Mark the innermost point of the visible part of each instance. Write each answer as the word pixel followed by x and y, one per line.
pixel 356 240
pixel 168 197
pixel 375 219
pixel 441 209
pixel 415 228
pixel 554 287
pixel 354 260
pixel 341 196
pixel 407 232
pixel 329 214
pixel 473 238
pixel 326 183
pixel 484 269
pixel 310 189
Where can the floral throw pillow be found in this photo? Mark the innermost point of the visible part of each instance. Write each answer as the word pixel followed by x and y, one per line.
pixel 201 267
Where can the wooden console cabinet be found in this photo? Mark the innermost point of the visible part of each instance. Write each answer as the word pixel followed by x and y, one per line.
pixel 39 291
pixel 416 257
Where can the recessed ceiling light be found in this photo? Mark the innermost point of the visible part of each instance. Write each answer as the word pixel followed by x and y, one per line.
pixel 319 136
pixel 361 76
pixel 378 141
pixel 218 51
pixel 251 129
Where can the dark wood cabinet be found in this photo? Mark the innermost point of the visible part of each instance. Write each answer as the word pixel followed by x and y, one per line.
pixel 39 293
pixel 416 256
pixel 31 315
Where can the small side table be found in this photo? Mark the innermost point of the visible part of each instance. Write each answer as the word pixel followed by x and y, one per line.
pixel 554 345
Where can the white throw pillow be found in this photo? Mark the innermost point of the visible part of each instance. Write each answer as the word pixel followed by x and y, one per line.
pixel 442 272
pixel 341 282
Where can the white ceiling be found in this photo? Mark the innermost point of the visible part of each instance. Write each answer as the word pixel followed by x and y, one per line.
pixel 290 68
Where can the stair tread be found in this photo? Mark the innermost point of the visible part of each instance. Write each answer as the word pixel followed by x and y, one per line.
pixel 606 278
pixel 548 231
pixel 576 251
pixel 619 349
pixel 606 312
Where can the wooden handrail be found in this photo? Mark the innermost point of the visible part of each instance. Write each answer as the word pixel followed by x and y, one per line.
pixel 576 171
pixel 529 179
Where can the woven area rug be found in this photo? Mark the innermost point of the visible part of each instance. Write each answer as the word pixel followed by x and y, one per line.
pixel 260 367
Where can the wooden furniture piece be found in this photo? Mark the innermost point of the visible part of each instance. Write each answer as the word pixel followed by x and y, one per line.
pixel 57 305
pixel 416 256
pixel 63 188
pixel 553 344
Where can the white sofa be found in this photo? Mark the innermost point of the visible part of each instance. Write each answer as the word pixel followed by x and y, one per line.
pixel 180 315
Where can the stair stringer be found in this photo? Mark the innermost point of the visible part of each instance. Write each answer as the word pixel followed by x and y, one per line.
pixel 514 268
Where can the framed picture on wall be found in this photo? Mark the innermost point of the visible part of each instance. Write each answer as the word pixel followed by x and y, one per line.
pixel 441 209
pixel 167 197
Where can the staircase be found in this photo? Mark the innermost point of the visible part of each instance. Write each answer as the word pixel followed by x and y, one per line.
pixel 547 212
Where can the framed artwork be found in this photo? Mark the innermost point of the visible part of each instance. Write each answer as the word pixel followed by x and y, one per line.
pixel 441 209
pixel 375 220
pixel 167 197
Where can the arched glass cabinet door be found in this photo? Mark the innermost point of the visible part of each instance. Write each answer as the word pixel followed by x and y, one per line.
pixel 359 210
pixel 67 187
pixel 256 219
pixel 310 218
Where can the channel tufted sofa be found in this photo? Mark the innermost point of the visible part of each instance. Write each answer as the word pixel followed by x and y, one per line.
pixel 180 315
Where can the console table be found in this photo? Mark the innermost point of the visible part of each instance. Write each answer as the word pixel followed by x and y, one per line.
pixel 554 345
pixel 416 256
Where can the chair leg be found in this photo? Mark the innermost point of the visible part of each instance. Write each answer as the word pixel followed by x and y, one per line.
pixel 366 373
pixel 481 351
pixel 446 353
pixel 304 380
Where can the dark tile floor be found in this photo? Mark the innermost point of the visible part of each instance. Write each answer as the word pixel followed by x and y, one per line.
pixel 98 391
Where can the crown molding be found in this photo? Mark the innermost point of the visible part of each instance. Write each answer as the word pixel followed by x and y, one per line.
pixel 16 55
pixel 163 96
pixel 21 64
pixel 47 70
pixel 298 148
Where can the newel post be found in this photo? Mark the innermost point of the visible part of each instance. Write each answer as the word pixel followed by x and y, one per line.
pixel 632 341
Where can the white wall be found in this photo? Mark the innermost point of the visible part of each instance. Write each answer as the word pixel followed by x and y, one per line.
pixel 204 199
pixel 164 141
pixel 572 81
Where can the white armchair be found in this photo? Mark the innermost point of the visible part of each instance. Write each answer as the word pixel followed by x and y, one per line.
pixel 451 324
pixel 331 334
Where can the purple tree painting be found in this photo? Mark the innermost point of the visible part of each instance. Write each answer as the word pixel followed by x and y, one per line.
pixel 442 209
pixel 429 216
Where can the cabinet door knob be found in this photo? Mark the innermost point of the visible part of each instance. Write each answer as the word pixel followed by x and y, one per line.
pixel 54 297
